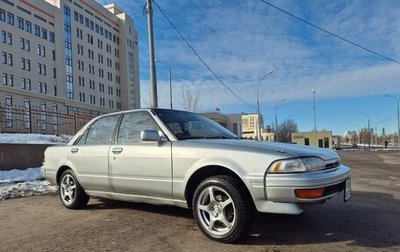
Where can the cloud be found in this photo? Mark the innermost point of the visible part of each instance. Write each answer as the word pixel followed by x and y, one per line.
pixel 242 40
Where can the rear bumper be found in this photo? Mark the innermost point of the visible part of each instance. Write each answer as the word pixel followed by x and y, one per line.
pixel 50 175
pixel 279 189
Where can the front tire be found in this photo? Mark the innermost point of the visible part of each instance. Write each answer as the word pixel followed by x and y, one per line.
pixel 71 193
pixel 222 208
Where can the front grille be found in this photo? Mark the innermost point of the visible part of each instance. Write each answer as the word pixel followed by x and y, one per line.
pixel 333 189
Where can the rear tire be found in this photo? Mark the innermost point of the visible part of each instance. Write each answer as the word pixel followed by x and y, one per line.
pixel 222 208
pixel 71 193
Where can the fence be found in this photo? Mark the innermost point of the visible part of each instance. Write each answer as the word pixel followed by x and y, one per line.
pixel 28 119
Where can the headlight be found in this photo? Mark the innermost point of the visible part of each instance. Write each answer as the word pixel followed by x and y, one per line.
pixel 297 165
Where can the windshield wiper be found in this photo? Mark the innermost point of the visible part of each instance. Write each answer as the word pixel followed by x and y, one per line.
pixel 190 137
pixel 217 137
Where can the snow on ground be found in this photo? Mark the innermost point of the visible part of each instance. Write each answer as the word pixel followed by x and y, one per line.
pixel 33 138
pixel 22 183
pixel 12 176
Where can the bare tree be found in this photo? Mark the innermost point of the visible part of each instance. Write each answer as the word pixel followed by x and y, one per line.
pixel 191 100
pixel 285 130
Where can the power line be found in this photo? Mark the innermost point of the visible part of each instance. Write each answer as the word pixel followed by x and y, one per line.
pixel 199 57
pixel 331 33
pixel 388 119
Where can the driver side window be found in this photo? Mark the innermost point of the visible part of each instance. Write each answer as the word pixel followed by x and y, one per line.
pixel 131 126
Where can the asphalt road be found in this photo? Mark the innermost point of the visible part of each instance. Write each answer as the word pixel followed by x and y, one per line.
pixel 370 221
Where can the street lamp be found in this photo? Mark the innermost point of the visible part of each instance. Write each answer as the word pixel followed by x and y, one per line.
pixel 398 119
pixel 276 119
pixel 258 104
pixel 170 82
pixel 368 116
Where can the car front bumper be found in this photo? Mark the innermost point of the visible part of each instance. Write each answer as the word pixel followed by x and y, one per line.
pixel 280 189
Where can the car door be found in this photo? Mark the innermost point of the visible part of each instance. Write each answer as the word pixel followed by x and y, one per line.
pixel 89 156
pixel 140 168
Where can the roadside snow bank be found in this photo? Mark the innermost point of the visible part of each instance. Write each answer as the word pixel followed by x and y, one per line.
pixel 33 139
pixel 12 191
pixel 15 175
pixel 22 183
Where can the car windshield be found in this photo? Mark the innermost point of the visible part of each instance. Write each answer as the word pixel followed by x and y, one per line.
pixel 186 125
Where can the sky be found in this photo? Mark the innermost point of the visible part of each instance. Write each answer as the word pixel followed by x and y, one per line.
pixel 241 41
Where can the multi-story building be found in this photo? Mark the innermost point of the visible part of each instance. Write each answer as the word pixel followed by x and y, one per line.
pixel 231 122
pixel 65 55
pixel 243 125
pixel 250 128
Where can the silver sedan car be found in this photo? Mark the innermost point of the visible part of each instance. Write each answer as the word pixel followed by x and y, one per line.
pixel 169 157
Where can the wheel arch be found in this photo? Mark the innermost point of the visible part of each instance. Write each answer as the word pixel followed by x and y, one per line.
pixel 60 171
pixel 208 171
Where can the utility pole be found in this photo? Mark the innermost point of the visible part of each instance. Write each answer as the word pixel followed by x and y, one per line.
pixel 258 105
pixel 170 85
pixel 315 116
pixel 398 119
pixel 153 76
pixel 369 129
pixel 276 119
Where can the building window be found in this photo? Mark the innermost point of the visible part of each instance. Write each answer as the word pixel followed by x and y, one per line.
pixel 9 38
pixel 82 97
pixel 43 115
pixel 326 142
pixel 41 50
pixel 320 143
pixel 28 26
pixel 3 36
pixel 37 30
pixel 6 37
pixel 10 18
pixel 42 87
pixel 44 33
pixel 55 117
pixel 2 15
pixel 9 112
pixel 51 36
pixel 25 64
pixel 26 83
pixel 81 81
pixel 306 141
pixel 20 23
pixel 27 45
pixel 7 58
pixel 22 43
pixel 27 114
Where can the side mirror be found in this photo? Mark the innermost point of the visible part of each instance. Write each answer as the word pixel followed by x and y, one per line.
pixel 151 136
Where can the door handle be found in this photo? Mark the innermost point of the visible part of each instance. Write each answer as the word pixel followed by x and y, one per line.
pixel 117 150
pixel 74 150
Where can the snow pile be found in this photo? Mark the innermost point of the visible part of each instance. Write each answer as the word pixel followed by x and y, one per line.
pixel 33 139
pixel 22 183
pixel 15 175
pixel 24 189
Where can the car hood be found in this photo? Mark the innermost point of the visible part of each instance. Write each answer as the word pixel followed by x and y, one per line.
pixel 274 148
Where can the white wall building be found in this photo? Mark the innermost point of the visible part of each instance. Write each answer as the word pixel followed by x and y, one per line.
pixel 66 55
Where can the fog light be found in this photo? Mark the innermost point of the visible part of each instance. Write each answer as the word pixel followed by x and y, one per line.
pixel 309 193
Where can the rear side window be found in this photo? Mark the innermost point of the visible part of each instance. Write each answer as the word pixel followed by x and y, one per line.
pixel 101 132
pixel 131 126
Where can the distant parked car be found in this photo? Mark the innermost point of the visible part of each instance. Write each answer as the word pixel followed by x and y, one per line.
pixel 354 145
pixel 179 158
